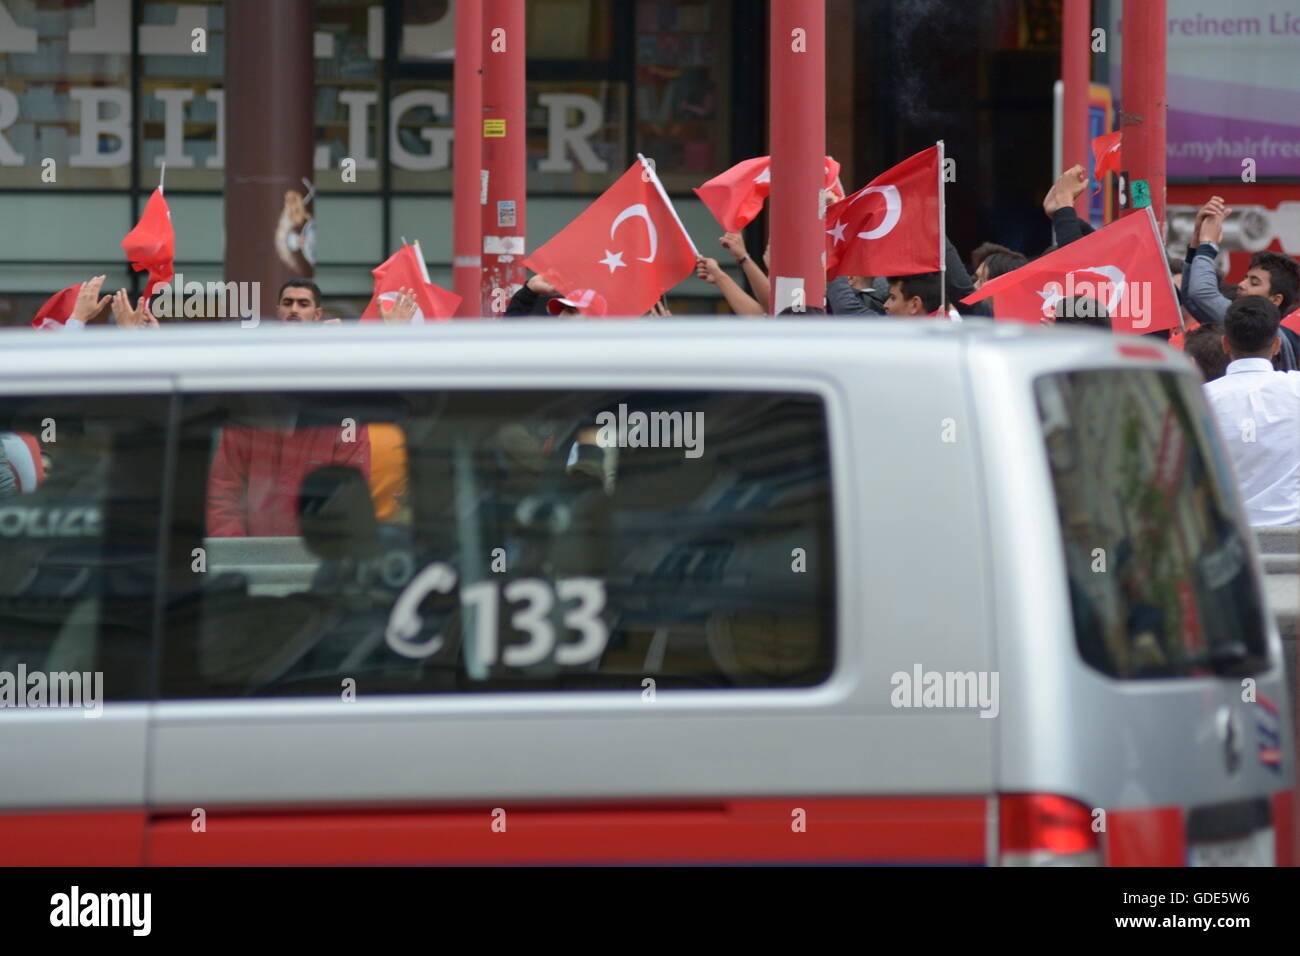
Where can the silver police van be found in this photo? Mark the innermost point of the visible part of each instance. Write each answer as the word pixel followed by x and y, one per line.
pixel 642 592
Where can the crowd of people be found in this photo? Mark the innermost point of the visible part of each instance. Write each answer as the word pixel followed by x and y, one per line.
pixel 1235 334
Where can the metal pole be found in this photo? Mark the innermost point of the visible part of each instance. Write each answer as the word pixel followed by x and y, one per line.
pixel 504 140
pixel 467 213
pixel 270 136
pixel 1144 102
pixel 1075 59
pixel 797 124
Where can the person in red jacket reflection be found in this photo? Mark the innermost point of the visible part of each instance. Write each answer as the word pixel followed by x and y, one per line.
pixel 257 475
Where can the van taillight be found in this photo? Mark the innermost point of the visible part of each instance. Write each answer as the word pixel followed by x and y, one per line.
pixel 1042 829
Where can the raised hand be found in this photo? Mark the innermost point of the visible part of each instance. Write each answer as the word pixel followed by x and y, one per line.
pixel 734 243
pixel 708 269
pixel 400 310
pixel 1213 207
pixel 138 318
pixel 89 304
pixel 1212 228
pixel 1066 189
pixel 541 286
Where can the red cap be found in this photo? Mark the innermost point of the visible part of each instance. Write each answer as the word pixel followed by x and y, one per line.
pixel 586 301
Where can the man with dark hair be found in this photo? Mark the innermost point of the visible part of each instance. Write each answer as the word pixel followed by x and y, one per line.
pixel 1204 346
pixel 1270 274
pixel 298 301
pixel 1274 276
pixel 998 264
pixel 1258 411
pixel 915 295
pixel 983 251
pixel 1082 310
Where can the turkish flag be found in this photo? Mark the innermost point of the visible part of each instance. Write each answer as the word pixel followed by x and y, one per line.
pixel 1123 266
pixel 628 245
pixel 889 227
pixel 405 269
pixel 1105 155
pixel 151 245
pixel 736 196
pixel 57 309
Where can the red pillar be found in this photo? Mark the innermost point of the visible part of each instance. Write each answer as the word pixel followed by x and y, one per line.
pixel 797 124
pixel 503 138
pixel 1143 100
pixel 467 213
pixel 1076 54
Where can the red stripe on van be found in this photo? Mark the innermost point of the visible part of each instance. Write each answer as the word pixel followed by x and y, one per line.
pixel 73 838
pixel 1146 837
pixel 1284 828
pixel 885 830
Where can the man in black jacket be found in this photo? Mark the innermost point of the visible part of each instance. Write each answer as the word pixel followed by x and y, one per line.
pixel 531 299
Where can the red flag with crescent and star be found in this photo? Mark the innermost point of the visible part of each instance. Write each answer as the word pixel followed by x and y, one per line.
pixel 628 245
pixel 889 227
pixel 1122 266
pixel 405 268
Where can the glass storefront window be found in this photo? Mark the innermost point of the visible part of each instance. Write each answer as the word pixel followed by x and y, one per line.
pixel 65 102
pixel 181 115
pixel 349 65
pixel 580 30
pixel 577 136
pixel 557 30
pixel 683 64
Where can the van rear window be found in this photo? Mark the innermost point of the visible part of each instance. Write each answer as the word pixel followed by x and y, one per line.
pixel 458 541
pixel 1158 564
pixel 81 478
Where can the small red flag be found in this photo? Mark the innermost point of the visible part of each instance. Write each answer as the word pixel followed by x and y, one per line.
pixel 405 269
pixel 736 197
pixel 1105 155
pixel 628 246
pixel 151 245
pixel 889 227
pixel 57 309
pixel 1123 266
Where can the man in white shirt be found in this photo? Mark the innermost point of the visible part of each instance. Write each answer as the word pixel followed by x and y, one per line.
pixel 1258 411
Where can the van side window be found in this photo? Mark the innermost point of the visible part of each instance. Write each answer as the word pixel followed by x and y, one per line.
pixel 499 541
pixel 80 490
pixel 1158 566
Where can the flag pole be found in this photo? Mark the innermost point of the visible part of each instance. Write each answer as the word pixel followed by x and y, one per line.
pixel 1155 231
pixel 424 268
pixel 654 178
pixel 943 240
pixel 162 177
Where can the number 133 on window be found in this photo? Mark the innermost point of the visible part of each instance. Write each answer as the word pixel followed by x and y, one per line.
pixel 534 597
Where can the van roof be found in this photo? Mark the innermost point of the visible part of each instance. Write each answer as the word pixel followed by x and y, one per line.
pixel 536 343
